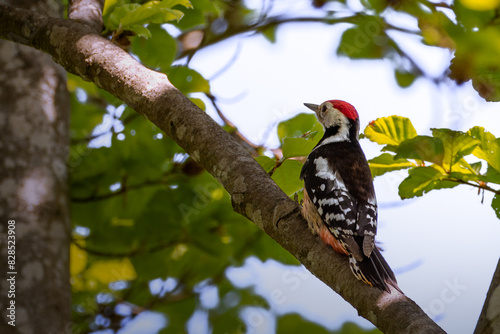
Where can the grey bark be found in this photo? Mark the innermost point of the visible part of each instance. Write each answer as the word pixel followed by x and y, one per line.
pixel 253 193
pixel 34 127
pixel 88 12
pixel 489 320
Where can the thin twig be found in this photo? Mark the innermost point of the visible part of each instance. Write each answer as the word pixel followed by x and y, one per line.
pixel 480 186
pixel 122 190
pixel 132 253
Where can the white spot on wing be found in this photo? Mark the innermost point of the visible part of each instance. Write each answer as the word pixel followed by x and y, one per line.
pixel 323 170
pixel 328 201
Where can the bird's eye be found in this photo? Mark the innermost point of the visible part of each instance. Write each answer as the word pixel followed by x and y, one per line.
pixel 324 108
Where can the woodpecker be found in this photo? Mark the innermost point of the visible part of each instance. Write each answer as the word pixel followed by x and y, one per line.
pixel 339 198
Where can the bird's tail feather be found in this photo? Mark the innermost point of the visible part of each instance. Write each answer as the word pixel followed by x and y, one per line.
pixel 374 271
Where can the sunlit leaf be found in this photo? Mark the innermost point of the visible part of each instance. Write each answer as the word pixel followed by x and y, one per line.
pixel 456 145
pixel 107 271
pixel 480 4
pixel 422 180
pixel 199 103
pixel 78 258
pixel 130 16
pixel 266 163
pixel 118 13
pixel 287 176
pixel 108 6
pixel 387 162
pixel 298 126
pixel 390 130
pixel 297 147
pixel 423 148
pixel 488 148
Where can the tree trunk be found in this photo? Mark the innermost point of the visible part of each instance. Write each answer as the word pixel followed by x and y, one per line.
pixel 34 206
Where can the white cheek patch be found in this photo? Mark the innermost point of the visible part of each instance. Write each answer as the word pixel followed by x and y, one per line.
pixel 335 118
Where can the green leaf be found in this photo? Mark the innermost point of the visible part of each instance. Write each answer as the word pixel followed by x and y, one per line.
pixel 294 323
pixel 84 118
pixel 473 14
pixel 366 40
pixel 297 147
pixel 266 163
pixel 492 175
pixel 188 80
pixel 108 6
pixel 178 313
pixel 129 16
pixel 390 130
pixel 476 58
pixel 404 79
pixel 140 30
pixel 476 167
pixel 118 13
pixel 424 179
pixel 456 145
pixel 387 162
pixel 197 17
pixel 377 5
pixel 157 52
pixel 488 148
pixel 270 33
pixel 199 103
pixel 287 176
pixel 266 248
pixel 154 12
pixel 423 148
pixel 495 204
pixel 298 126
pixel 226 318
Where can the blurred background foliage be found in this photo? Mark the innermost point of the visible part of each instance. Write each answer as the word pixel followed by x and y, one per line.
pixel 154 232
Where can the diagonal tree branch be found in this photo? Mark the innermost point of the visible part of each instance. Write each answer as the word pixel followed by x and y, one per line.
pixel 88 12
pixel 489 320
pixel 254 195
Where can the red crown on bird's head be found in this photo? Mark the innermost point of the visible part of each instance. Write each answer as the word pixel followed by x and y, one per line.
pixel 346 108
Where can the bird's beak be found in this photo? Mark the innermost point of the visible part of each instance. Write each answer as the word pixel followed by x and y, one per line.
pixel 313 107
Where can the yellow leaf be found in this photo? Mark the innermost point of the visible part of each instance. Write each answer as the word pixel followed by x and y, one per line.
pixel 480 4
pixel 107 271
pixel 108 5
pixel 77 259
